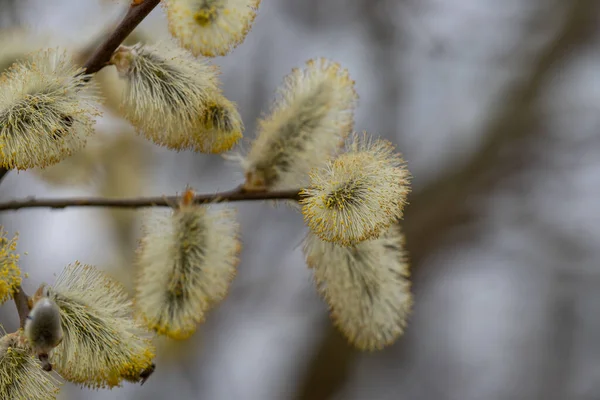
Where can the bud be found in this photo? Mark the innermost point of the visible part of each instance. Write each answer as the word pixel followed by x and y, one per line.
pixel 102 343
pixel 366 286
pixel 10 273
pixel 358 194
pixel 167 92
pixel 43 329
pixel 210 27
pixel 186 263
pixel 307 124
pixel 46 110
pixel 21 376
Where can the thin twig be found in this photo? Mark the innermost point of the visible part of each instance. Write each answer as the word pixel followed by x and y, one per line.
pixel 135 15
pixel 22 303
pixel 142 202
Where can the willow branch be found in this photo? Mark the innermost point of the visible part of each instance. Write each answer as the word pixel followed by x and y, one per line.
pixel 22 302
pixel 143 202
pixel 135 15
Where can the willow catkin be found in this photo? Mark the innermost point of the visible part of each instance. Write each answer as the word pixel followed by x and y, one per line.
pixel 307 124
pixel 366 286
pixel 102 342
pixel 47 108
pixel 10 273
pixel 166 92
pixel 21 376
pixel 210 27
pixel 357 195
pixel 186 263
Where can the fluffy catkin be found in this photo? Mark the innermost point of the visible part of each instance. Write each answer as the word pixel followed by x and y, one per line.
pixel 307 124
pixel 10 273
pixel 166 92
pixel 21 376
pixel 102 343
pixel 210 27
pixel 357 195
pixel 46 110
pixel 186 263
pixel 366 286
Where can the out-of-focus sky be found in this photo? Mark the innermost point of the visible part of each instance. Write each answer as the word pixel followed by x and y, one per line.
pixel 493 105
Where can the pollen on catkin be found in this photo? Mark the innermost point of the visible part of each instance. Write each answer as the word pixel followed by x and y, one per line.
pixel 186 262
pixel 166 92
pixel 10 273
pixel 102 344
pixel 210 27
pixel 221 126
pixel 47 108
pixel 357 195
pixel 366 286
pixel 21 376
pixel 309 120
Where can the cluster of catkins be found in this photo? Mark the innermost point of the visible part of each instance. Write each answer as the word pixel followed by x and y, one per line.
pixel 353 189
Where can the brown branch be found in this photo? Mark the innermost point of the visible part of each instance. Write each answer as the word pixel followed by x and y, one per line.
pixel 142 202
pixel 135 15
pixel 22 303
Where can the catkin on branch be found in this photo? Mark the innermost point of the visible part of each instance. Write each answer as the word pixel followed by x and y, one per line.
pixel 366 286
pixel 210 27
pixel 186 263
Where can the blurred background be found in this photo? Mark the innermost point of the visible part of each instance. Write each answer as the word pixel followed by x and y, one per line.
pixel 495 107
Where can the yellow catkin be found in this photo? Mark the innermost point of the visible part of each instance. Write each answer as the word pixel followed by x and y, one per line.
pixel 220 126
pixel 307 124
pixel 357 195
pixel 10 274
pixel 21 376
pixel 102 344
pixel 186 263
pixel 47 110
pixel 166 92
pixel 210 27
pixel 366 286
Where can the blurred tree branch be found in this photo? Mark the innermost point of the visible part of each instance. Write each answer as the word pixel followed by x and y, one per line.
pixel 442 204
